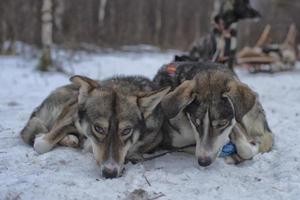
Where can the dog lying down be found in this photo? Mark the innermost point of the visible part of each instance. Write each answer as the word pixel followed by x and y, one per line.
pixel 120 118
pixel 210 106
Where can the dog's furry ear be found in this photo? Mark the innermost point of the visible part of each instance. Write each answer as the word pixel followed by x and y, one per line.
pixel 241 97
pixel 148 102
pixel 85 84
pixel 177 100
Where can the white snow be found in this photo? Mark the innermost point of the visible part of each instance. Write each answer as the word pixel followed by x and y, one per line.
pixel 66 173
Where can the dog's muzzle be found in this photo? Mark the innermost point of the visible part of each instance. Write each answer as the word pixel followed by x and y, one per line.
pixel 205 161
pixel 110 169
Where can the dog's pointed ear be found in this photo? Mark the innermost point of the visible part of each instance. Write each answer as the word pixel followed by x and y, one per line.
pixel 241 97
pixel 177 100
pixel 86 85
pixel 148 102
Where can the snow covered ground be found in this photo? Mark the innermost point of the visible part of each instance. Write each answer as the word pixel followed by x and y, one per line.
pixel 66 173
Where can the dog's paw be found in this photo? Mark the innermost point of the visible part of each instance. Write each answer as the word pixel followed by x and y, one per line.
pixel 233 159
pixel 70 141
pixel 229 160
pixel 41 145
pixel 247 150
pixel 136 159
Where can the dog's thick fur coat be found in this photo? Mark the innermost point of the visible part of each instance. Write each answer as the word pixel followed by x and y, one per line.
pixel 209 106
pixel 119 118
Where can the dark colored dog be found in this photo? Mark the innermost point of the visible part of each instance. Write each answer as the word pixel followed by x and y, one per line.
pixel 232 11
pixel 214 47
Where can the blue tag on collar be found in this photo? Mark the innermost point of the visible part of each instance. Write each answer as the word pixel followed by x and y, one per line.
pixel 228 150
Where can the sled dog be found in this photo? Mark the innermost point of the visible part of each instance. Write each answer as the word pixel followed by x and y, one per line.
pixel 209 106
pixel 119 119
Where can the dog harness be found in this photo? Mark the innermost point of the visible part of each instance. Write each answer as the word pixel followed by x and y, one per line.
pixel 171 69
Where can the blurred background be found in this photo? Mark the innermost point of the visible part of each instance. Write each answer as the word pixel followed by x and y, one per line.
pixel 167 24
pixel 41 27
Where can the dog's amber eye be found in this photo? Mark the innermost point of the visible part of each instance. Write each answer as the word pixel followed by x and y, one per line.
pixel 126 131
pixel 223 123
pixel 99 129
pixel 220 123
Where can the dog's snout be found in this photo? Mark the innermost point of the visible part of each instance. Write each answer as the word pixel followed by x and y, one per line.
pixel 204 162
pixel 109 173
pixel 110 170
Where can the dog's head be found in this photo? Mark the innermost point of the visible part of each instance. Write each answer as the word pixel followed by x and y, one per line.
pixel 212 102
pixel 232 11
pixel 113 121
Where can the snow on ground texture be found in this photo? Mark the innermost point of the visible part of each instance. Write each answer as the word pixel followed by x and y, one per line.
pixel 66 173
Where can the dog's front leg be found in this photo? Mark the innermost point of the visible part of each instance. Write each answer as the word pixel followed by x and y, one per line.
pixel 70 140
pixel 63 126
pixel 246 147
pixel 45 142
pixel 34 127
pixel 233 159
pixel 135 158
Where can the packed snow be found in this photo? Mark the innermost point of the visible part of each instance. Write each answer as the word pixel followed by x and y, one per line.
pixel 66 173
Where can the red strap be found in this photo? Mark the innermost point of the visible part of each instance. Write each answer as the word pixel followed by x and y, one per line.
pixel 171 69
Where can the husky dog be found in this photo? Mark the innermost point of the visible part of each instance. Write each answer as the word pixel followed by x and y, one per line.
pixel 232 11
pixel 120 117
pixel 214 46
pixel 209 106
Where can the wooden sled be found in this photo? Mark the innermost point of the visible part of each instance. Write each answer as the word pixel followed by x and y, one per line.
pixel 270 58
pixel 264 64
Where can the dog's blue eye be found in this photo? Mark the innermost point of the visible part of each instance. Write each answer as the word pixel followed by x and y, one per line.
pixel 99 129
pixel 126 131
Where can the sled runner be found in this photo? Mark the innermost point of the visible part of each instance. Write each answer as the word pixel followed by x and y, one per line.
pixel 271 58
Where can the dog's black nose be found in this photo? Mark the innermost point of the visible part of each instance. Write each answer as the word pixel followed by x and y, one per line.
pixel 109 173
pixel 204 162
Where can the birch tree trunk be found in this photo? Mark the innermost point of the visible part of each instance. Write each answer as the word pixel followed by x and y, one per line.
pixel 158 22
pixel 58 15
pixel 47 25
pixel 1 33
pixel 2 36
pixel 102 11
pixel 216 9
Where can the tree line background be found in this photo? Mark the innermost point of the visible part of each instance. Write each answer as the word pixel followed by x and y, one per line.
pixel 113 23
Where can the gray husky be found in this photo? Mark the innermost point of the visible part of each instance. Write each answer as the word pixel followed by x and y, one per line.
pixel 209 106
pixel 118 119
